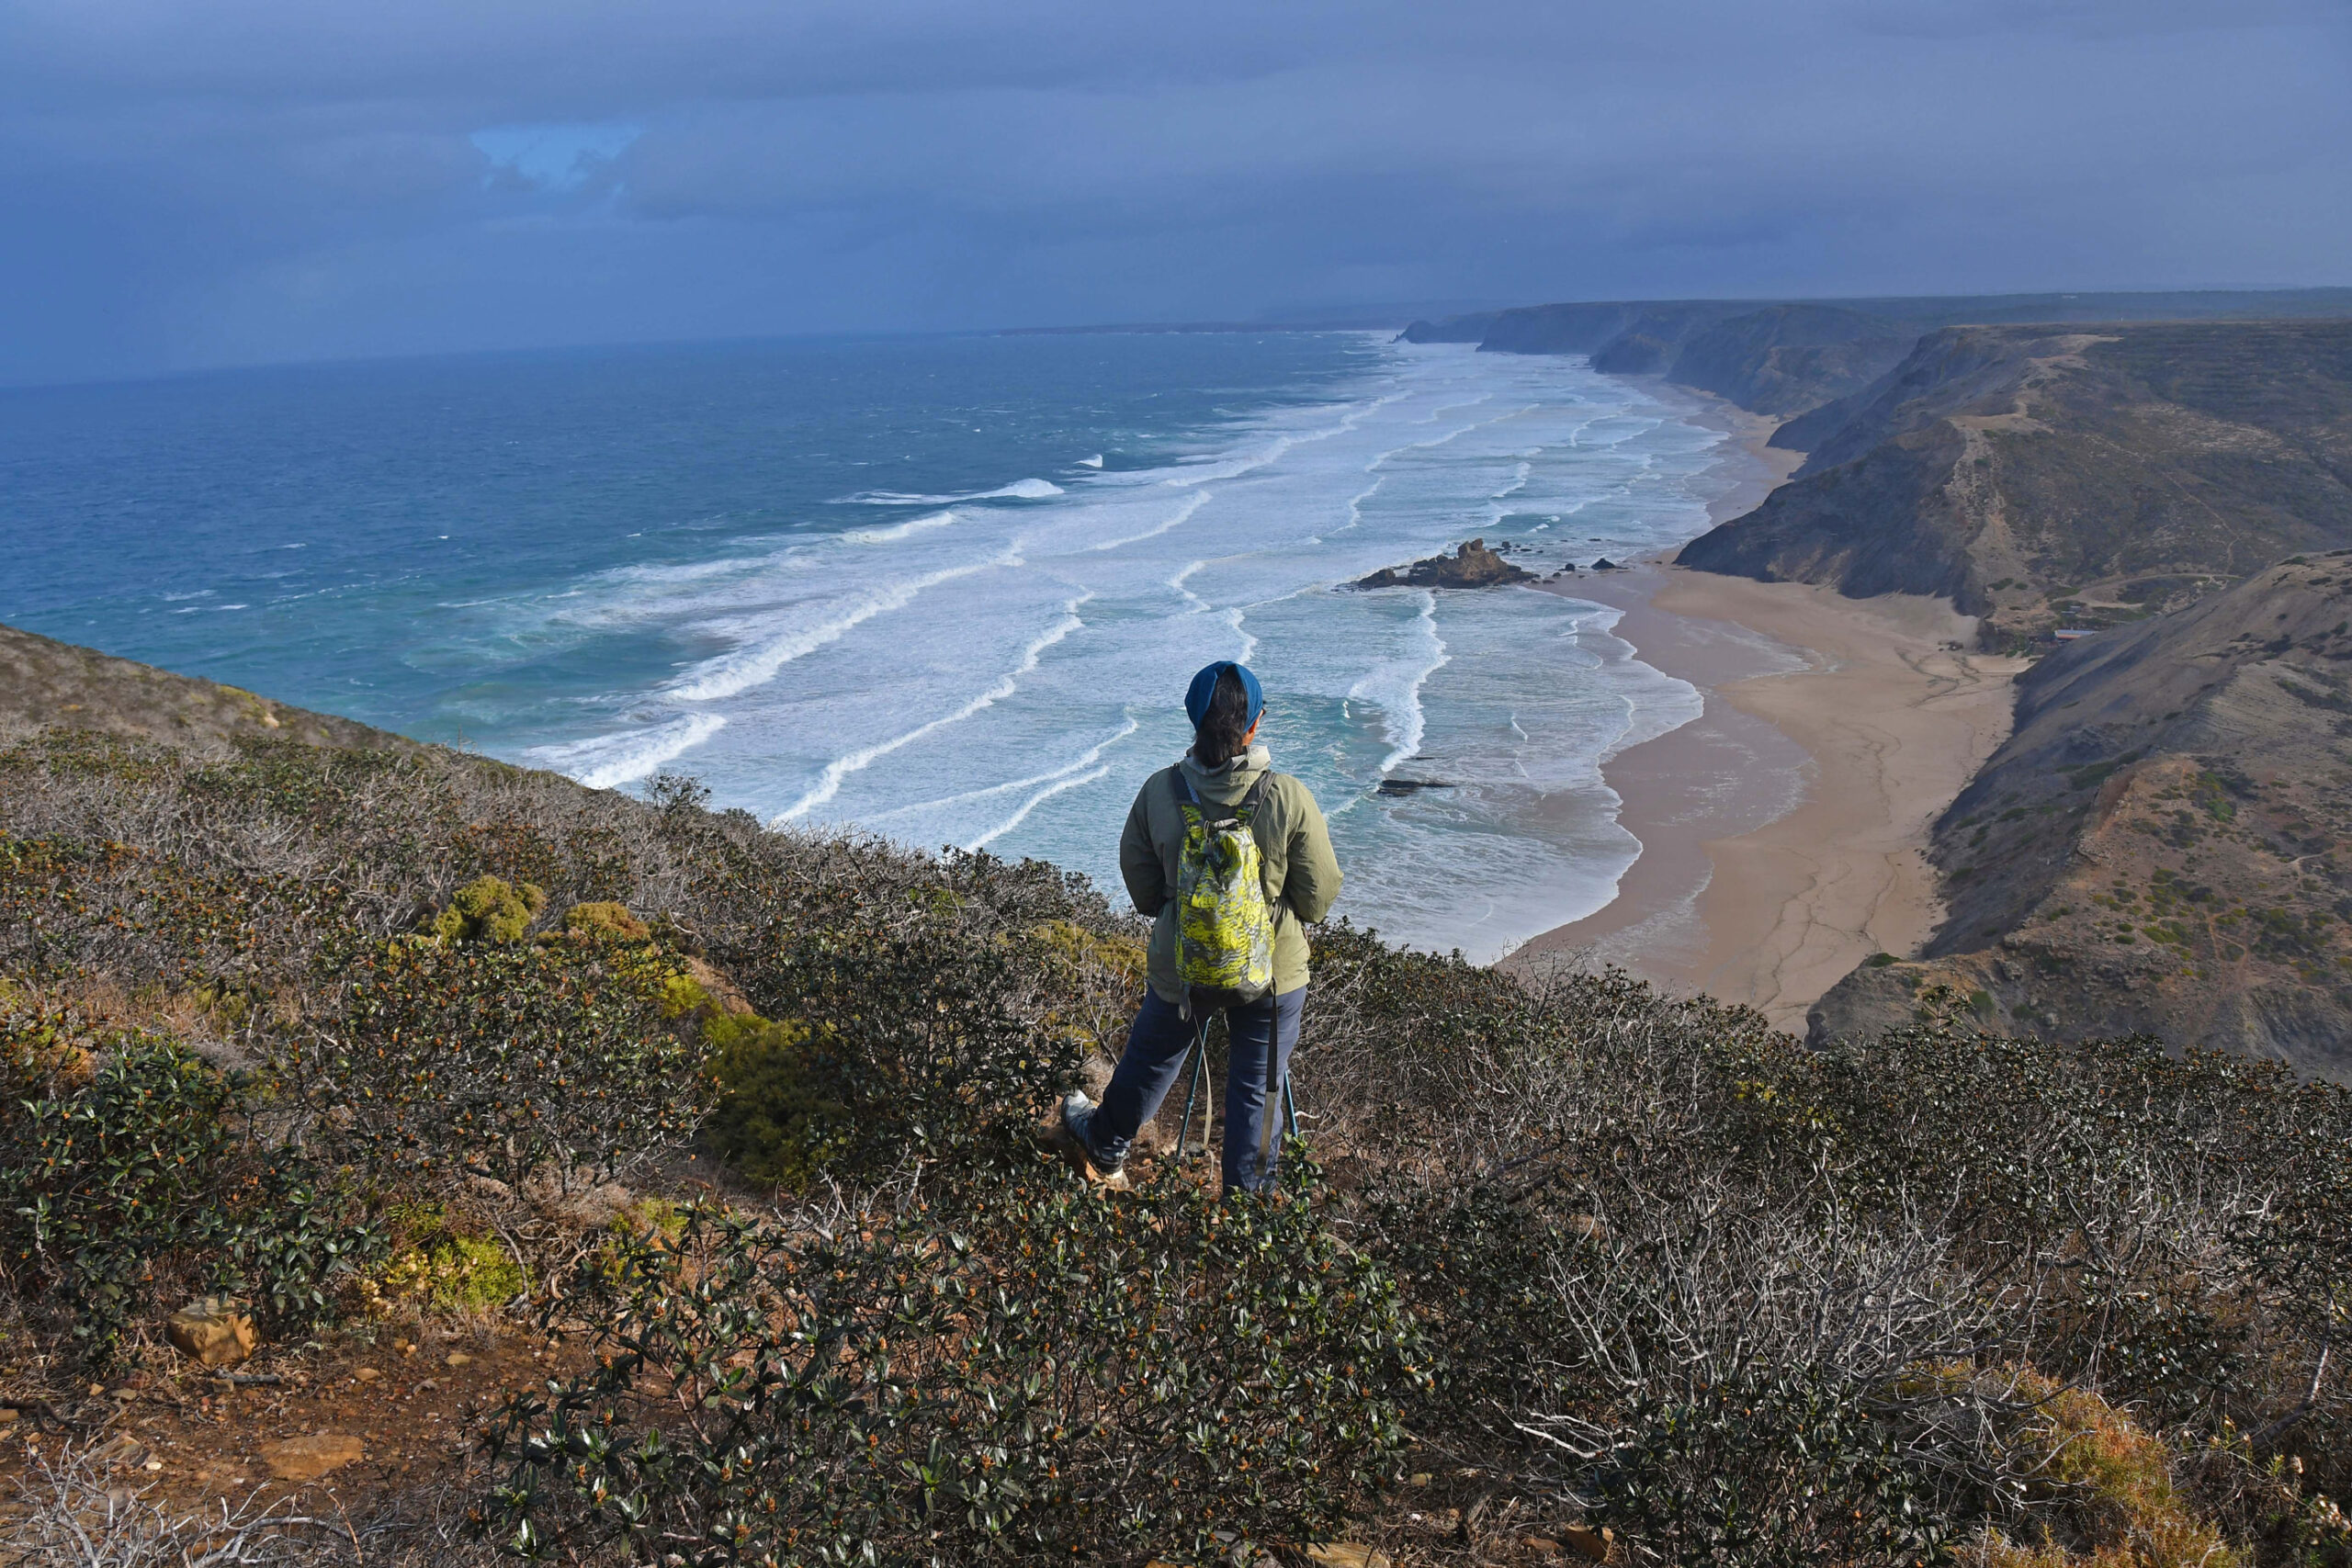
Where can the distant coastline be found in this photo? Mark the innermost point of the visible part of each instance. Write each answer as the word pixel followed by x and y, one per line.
pixel 1783 832
pixel 2051 661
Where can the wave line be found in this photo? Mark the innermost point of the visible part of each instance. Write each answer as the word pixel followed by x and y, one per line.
pixel 757 664
pixel 829 784
pixel 1034 801
pixel 608 761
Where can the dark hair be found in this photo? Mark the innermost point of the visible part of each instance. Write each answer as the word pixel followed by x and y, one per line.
pixel 1224 730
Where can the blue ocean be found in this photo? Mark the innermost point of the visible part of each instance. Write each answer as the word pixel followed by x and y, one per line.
pixel 945 590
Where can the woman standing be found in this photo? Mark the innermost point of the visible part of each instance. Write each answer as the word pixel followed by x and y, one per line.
pixel 1221 798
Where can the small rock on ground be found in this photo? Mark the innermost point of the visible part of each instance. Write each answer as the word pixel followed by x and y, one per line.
pixel 1345 1555
pixel 1589 1543
pixel 307 1459
pixel 213 1329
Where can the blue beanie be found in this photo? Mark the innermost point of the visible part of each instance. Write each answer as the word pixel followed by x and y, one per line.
pixel 1196 701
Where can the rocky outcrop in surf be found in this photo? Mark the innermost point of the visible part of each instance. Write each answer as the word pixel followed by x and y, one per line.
pixel 1471 566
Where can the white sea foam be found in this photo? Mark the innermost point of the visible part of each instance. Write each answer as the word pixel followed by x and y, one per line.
pixel 608 761
pixel 1176 519
pixel 898 531
pixel 1019 490
pixel 829 784
pixel 1395 687
pixel 1249 648
pixel 1034 801
pixel 1007 680
pixel 733 673
pixel 1093 462
pixel 1355 503
pixel 1233 466
pixel 1087 759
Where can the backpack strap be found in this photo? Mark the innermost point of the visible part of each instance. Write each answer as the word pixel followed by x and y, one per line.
pixel 1250 803
pixel 1245 808
pixel 1188 801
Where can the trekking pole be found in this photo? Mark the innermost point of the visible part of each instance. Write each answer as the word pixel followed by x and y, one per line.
pixel 1290 1105
pixel 1200 1053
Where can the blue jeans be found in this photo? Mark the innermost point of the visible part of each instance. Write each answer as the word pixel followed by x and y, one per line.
pixel 1157 1043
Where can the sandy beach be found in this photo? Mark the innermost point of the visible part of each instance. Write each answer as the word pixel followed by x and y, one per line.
pixel 1782 829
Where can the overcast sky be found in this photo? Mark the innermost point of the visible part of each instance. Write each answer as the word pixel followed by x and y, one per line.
pixel 203 182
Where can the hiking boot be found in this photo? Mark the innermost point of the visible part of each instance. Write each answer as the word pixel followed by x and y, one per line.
pixel 1066 1135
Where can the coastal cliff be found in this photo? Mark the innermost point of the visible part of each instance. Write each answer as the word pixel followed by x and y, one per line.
pixel 1790 357
pixel 1786 359
pixel 2154 849
pixel 1780 359
pixel 2158 847
pixel 1471 328
pixel 2038 477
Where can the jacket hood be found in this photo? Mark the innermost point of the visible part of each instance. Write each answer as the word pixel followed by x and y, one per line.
pixel 1228 785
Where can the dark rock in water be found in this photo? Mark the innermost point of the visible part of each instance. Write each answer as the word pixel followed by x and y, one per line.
pixel 1471 566
pixel 1409 786
pixel 1605 564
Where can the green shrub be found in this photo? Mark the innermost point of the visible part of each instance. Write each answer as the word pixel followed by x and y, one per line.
pixel 1037 1373
pixel 444 1268
pixel 931 1041
pixel 488 909
pixel 2112 1483
pixel 1656 1265
pixel 652 1219
pixel 127 1185
pixel 1774 1469
pixel 779 1118
pixel 522 1063
pixel 604 920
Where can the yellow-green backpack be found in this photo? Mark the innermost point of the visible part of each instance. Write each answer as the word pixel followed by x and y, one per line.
pixel 1225 928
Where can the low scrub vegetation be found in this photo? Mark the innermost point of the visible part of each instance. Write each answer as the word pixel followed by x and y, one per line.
pixel 341 1033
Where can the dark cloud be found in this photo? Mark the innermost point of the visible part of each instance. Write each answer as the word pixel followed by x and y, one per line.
pixel 189 184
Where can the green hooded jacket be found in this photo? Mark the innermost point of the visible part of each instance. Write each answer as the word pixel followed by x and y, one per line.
pixel 1293 847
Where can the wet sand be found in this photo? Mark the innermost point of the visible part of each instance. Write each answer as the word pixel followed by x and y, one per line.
pixel 1783 830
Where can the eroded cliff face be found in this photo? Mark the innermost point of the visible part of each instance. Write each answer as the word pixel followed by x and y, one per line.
pixel 1786 359
pixel 2157 847
pixel 1791 357
pixel 2044 477
pixel 1777 359
pixel 2161 846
